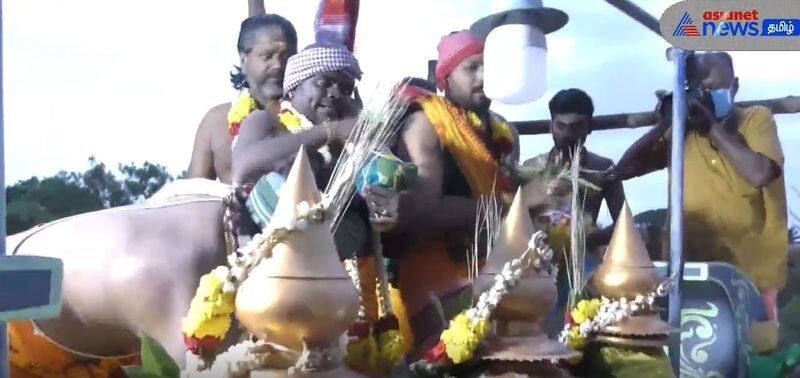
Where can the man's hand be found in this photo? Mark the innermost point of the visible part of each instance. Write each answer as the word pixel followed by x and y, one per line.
pixel 663 110
pixel 383 204
pixel 707 118
pixel 342 128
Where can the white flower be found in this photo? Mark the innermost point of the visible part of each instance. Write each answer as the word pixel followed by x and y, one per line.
pixel 517 274
pixel 494 299
pixel 484 314
pixel 258 238
pixel 303 208
pixel 301 224
pixel 221 272
pixel 237 272
pixel 586 327
pixel 472 313
pixel 482 299
pixel 290 225
pixel 619 316
pixel 548 254
pixel 228 287
pixel 650 300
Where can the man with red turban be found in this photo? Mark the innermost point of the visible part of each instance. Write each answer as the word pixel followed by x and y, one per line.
pixel 460 149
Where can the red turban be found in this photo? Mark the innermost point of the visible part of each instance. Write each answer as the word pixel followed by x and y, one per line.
pixel 453 49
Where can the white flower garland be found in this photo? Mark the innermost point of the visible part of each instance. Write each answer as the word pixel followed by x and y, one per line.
pixel 613 311
pixel 510 275
pixel 260 247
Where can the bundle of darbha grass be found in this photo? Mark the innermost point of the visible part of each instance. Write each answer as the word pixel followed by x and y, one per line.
pixel 577 250
pixel 376 126
pixel 487 225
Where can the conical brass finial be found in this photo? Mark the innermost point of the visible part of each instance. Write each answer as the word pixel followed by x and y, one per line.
pixel 300 186
pixel 626 269
pixel 513 236
pixel 310 252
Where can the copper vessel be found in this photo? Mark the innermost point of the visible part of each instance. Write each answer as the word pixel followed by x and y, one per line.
pixel 302 294
pixel 517 332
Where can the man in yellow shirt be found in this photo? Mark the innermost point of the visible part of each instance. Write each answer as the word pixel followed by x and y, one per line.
pixel 734 192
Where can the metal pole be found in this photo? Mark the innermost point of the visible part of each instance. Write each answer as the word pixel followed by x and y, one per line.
pixel 678 57
pixel 3 333
pixel 637 14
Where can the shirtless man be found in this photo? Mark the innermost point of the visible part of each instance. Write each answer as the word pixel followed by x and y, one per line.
pixel 266 41
pixel 460 149
pixel 571 113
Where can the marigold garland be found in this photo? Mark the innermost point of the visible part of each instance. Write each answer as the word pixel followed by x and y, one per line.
pixel 592 315
pixel 501 131
pixel 375 349
pixel 457 344
pixel 209 316
pixel 241 108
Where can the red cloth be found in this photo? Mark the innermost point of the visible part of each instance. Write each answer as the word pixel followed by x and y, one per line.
pixel 336 20
pixel 453 49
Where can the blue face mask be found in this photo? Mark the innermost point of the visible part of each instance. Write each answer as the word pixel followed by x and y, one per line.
pixel 723 101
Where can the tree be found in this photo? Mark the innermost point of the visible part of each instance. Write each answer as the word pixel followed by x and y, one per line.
pixel 141 182
pixel 657 218
pixel 36 201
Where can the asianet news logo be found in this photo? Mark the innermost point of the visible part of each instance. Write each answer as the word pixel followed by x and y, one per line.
pixel 730 23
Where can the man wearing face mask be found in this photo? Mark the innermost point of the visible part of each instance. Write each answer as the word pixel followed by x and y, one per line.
pixel 459 147
pixel 734 192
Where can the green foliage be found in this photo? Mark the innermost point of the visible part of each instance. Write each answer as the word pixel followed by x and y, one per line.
pixel 794 234
pixel 657 218
pixel 156 362
pixel 36 201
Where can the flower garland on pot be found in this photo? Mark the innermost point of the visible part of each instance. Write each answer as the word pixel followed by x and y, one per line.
pixel 457 343
pixel 592 315
pixel 209 317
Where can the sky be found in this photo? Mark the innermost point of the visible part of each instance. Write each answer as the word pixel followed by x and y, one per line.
pixel 130 81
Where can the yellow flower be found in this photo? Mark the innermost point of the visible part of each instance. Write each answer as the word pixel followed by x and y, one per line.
pixel 585 310
pixel 289 120
pixel 245 105
pixel 462 337
pixel 501 130
pixel 390 344
pixel 574 340
pixel 211 308
pixel 200 327
pixel 474 120
pixel 362 355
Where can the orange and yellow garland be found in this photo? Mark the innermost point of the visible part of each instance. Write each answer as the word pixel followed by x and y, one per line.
pixel 243 106
pixel 500 131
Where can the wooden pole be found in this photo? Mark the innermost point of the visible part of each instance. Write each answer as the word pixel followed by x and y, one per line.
pixel 3 334
pixel 784 105
pixel 637 14
pixel 432 70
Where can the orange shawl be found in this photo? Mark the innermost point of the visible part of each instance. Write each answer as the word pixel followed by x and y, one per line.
pixel 471 154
